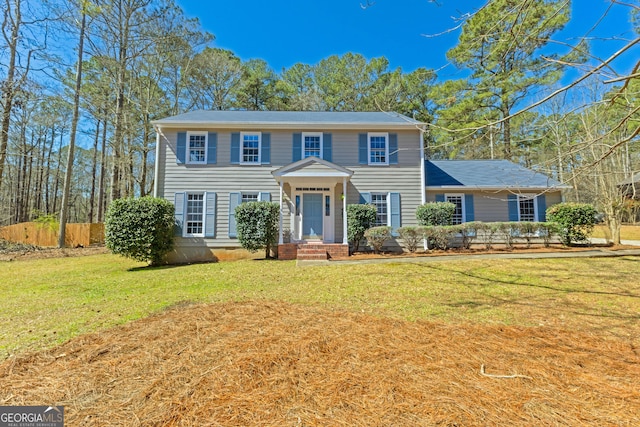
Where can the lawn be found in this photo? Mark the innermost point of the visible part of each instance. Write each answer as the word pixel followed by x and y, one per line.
pixel 627 232
pixel 474 343
pixel 46 302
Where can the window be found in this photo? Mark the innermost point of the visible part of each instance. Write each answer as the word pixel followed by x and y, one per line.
pixel 458 200
pixel 311 145
pixel 327 205
pixel 197 147
pixel 526 208
pixel 250 147
pixel 249 197
pixel 379 200
pixel 378 148
pixel 195 214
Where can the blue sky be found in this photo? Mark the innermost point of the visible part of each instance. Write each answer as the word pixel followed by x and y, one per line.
pixel 284 32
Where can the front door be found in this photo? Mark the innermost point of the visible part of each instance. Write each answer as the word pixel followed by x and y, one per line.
pixel 312 217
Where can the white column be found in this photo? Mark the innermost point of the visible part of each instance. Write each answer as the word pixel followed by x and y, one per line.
pixel 344 212
pixel 156 172
pixel 280 234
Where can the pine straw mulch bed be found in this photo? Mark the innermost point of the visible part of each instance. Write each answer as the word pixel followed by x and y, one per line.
pixel 276 364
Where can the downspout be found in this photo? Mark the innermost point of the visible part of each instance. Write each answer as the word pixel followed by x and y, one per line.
pixel 156 172
pixel 423 180
pixel 280 232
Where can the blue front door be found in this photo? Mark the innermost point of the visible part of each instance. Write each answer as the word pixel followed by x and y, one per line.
pixel 312 216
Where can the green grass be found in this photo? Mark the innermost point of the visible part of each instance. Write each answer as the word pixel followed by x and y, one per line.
pixel 45 302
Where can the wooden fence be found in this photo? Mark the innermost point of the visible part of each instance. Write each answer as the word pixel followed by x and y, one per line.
pixel 38 234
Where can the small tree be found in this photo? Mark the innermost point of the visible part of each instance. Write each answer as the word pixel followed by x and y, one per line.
pixel 359 219
pixel 436 213
pixel 141 229
pixel 257 225
pixel 575 220
pixel 376 236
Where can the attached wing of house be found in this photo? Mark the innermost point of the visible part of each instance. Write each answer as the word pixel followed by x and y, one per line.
pixel 491 190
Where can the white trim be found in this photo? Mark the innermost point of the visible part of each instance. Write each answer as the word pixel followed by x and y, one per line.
pixel 463 217
pixel 242 135
pixel 187 153
pixel 345 241
pixel 386 148
pixel 305 134
pixel 468 188
pixel 388 203
pixel 185 213
pixel 156 171
pixel 528 196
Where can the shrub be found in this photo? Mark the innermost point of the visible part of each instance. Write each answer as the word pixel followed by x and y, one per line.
pixel 412 236
pixel 547 230
pixel 468 231
pixel 508 230
pixel 576 221
pixel 435 213
pixel 439 235
pixel 257 225
pixel 141 229
pixel 359 219
pixel 528 230
pixel 376 236
pixel 489 232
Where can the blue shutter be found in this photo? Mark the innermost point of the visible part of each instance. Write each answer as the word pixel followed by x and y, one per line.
pixel 512 201
pixel 181 148
pixel 542 208
pixel 393 148
pixel 265 156
pixel 179 212
pixel 327 147
pixel 235 148
pixel 365 198
pixel 439 197
pixel 395 213
pixel 212 148
pixel 363 151
pixel 469 214
pixel 234 200
pixel 210 214
pixel 264 197
pixel 296 153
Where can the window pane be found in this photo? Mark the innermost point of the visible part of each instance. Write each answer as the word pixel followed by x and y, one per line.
pixel 197 145
pixel 380 202
pixel 195 210
pixel 457 215
pixel 377 149
pixel 249 197
pixel 527 209
pixel 312 146
pixel 250 148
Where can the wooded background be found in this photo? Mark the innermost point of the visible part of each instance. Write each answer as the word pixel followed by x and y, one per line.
pixel 144 60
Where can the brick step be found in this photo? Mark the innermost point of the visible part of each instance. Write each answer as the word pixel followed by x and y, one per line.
pixel 312 256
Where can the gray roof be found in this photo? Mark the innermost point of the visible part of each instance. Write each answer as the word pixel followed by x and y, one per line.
pixel 288 118
pixel 488 174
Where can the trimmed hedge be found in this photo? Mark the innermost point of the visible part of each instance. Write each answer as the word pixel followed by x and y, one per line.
pixel 257 225
pixel 376 236
pixel 576 221
pixel 141 229
pixel 359 219
pixel 435 213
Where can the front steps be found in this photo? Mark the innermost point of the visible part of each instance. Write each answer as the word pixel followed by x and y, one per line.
pixel 312 251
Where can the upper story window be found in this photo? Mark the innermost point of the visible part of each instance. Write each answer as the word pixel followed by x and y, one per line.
pixel 378 146
pixel 526 208
pixel 379 200
pixel 250 144
pixel 458 200
pixel 197 147
pixel 311 145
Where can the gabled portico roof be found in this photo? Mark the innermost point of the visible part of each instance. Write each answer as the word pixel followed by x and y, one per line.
pixel 311 167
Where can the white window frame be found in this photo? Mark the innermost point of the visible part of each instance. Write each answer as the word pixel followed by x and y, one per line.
pixel 463 215
pixel 305 134
pixel 386 148
pixel 387 202
pixel 535 205
pixel 252 193
pixel 186 213
pixel 188 149
pixel 242 135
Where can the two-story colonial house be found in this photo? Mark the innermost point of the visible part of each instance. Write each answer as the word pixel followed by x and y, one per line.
pixel 312 163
